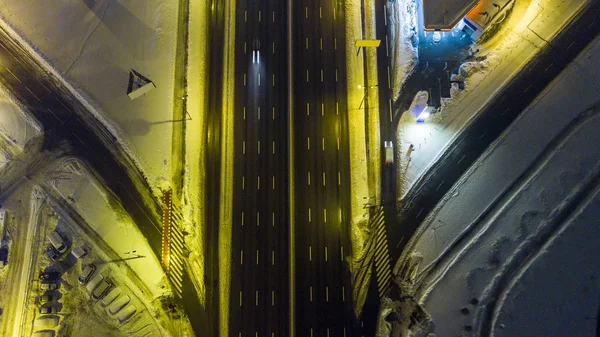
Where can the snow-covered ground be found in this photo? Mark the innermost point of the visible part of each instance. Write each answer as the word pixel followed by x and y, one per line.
pixel 93 45
pixel 509 50
pixel 16 128
pixel 490 248
pixel 403 38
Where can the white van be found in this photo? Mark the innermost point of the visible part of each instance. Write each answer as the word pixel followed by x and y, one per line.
pixel 127 313
pixel 46 322
pixel 57 242
pixel 94 282
pixel 118 304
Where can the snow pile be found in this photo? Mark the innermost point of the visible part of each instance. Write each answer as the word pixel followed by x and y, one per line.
pixel 402 21
pixel 93 45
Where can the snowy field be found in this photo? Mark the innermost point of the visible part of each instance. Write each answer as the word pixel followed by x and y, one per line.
pixel 509 50
pixel 16 128
pixel 492 258
pixel 94 44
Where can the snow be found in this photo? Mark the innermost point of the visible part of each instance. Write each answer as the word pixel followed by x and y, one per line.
pixel 502 56
pixel 93 45
pixel 403 31
pixel 477 237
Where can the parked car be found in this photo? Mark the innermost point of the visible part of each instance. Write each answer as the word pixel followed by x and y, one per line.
pixel 111 296
pixel 49 276
pixel 87 273
pixel 52 253
pixel 94 282
pixel 58 242
pixel 47 322
pixel 79 252
pixel 48 309
pixel 102 289
pixel 437 37
pixel 126 313
pixel 48 286
pixel 118 304
pixel 47 297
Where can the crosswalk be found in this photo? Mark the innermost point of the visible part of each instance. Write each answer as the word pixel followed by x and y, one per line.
pixel 172 242
pixel 381 255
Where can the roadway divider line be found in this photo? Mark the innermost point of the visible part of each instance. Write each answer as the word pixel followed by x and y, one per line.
pixel 292 292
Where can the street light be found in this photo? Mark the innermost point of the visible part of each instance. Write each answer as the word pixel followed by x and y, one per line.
pixel 368 87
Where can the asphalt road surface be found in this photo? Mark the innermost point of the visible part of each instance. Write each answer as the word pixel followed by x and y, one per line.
pixel 322 179
pixel 259 262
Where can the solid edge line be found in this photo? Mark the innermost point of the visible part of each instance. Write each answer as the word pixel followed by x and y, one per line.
pixel 291 168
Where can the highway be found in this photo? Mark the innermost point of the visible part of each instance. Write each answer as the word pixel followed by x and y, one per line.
pixel 259 263
pixel 322 285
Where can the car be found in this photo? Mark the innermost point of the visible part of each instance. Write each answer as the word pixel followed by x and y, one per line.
pixel 102 288
pixel 437 36
pixel 58 242
pixel 86 274
pixel 47 297
pixel 256 51
pixel 49 276
pixel 47 322
pixel 48 286
pixel 79 252
pixel 389 152
pixel 52 253
pixel 127 313
pixel 48 309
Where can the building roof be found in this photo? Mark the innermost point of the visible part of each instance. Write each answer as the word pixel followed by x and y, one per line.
pixel 444 14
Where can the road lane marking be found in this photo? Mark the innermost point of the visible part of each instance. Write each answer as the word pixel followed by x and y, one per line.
pixel 240 298
pixel 14 75
pixel 258 182
pixel 257 256
pixel 320 12
pixel 272 257
pixel 390 101
pixel 310 293
pixel 244 47
pixel 245 16
pixel 258 146
pixel 243 147
pixel 337 110
pixel 272 298
pixel 309 216
pixel 333 12
pixel 308 178
pixel 335 43
pixel 259 79
pixel 306 12
pixel 257 218
pixel 321 42
pixel 324 214
pixel 387 47
pixel 327 300
pixel 33 95
pixel 61 122
pixel 323 143
pixel 306 43
pixel 273 79
pixel 243 185
pixel 326 254
pixel 343 300
pixel 338 143
pixel 242 218
pixel 389 78
pixel 340 215
pixel 256 303
pixel 322 109
pixel 273 113
pixel 48 90
pixel 336 75
pixel 244 113
pixel 323 178
pixel 307 109
pixel 310 253
pixel 526 90
pixel 342 253
pixel 461 159
pixel 273 47
pixel 273 219
pixel 339 180
pixel 259 16
pixel 273 183
pixel 321 75
pixel 244 79
pixel 308 143
pixel 258 113
pixel 306 75
pixel 273 147
pixel 242 256
pixel 273 16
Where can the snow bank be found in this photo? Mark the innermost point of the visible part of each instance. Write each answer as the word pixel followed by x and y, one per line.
pixel 402 15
